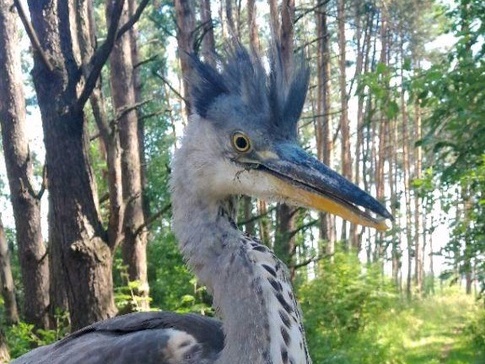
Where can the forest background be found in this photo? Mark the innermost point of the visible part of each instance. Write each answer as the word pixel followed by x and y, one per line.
pixel 90 233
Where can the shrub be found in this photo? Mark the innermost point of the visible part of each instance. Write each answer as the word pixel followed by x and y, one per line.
pixel 343 306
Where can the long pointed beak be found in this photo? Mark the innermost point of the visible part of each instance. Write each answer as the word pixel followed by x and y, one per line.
pixel 303 180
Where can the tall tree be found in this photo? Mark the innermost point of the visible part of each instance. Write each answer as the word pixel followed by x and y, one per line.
pixel 123 91
pixel 62 91
pixel 25 201
pixel 6 281
pixel 383 121
pixel 208 41
pixel 284 242
pixel 324 128
pixel 252 25
pixel 420 245
pixel 185 20
pixel 345 155
pixel 4 353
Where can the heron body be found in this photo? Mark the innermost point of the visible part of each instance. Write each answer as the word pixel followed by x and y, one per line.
pixel 241 140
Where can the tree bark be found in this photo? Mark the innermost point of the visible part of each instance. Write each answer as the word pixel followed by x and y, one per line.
pixel 4 352
pixel 6 280
pixel 122 79
pixel 418 215
pixel 383 126
pixel 324 127
pixel 25 202
pixel 287 30
pixel 407 196
pixel 138 86
pixel 264 233
pixel 86 258
pixel 346 159
pixel 284 243
pixel 275 17
pixel 208 42
pixel 253 26
pixel 185 19
pixel 362 36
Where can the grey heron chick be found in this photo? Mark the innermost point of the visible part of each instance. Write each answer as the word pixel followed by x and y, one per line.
pixel 241 140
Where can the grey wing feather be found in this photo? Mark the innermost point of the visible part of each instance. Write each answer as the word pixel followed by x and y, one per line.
pixel 145 337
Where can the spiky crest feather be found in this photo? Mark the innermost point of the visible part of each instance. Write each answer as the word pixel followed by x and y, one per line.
pixel 275 97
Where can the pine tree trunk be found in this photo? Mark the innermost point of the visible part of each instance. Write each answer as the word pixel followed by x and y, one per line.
pixel 253 26
pixel 324 127
pixel 6 281
pixel 345 157
pixel 275 17
pixel 396 250
pixel 287 30
pixel 208 42
pixel 407 197
pixel 264 233
pixel 284 242
pixel 284 245
pixel 418 215
pixel 123 81
pixel 362 36
pixel 86 258
pixel 383 131
pixel 4 352
pixel 137 85
pixel 25 202
pixel 185 32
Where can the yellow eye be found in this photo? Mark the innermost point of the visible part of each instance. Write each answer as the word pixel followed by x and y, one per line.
pixel 241 142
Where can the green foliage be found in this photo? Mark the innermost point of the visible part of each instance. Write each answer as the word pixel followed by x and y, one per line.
pixel 452 90
pixel 431 330
pixel 475 330
pixel 22 337
pixel 376 84
pixel 342 306
pixel 172 286
pixel 352 315
pixel 126 294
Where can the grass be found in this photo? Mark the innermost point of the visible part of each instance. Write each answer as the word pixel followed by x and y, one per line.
pixel 431 330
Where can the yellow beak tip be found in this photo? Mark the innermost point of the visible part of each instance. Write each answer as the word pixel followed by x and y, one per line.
pixel 383 225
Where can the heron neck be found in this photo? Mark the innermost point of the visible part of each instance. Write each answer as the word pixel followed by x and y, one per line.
pixel 226 261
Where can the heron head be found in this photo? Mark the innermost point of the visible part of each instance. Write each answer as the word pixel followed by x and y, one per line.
pixel 243 139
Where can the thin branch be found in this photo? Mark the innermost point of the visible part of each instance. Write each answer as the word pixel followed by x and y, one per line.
pixel 30 189
pixel 148 60
pixel 303 227
pixel 313 259
pixel 93 137
pixel 170 86
pixel 330 113
pixel 100 57
pixel 134 18
pixel 256 218
pixel 127 109
pixel 32 35
pixel 151 115
pixel 150 220
pixel 304 12
pixel 43 185
pixel 104 198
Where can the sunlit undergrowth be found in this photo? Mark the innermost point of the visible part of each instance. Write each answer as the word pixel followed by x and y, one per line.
pixel 354 315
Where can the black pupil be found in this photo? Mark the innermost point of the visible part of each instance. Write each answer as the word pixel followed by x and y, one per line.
pixel 241 143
